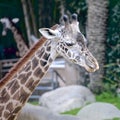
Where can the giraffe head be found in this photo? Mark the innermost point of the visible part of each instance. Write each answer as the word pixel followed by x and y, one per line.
pixel 71 43
pixel 6 24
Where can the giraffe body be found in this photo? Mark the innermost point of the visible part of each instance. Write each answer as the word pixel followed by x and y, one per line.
pixel 10 24
pixel 20 82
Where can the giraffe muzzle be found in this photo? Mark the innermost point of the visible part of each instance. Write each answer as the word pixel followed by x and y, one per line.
pixel 92 65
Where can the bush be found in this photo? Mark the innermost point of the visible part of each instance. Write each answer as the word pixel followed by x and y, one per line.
pixel 112 67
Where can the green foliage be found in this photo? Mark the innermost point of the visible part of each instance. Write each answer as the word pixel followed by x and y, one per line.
pixel 72 112
pixel 109 97
pixel 116 119
pixel 34 102
pixel 112 66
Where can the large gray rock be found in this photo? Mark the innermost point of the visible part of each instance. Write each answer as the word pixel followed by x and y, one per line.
pixel 66 98
pixel 31 112
pixel 99 111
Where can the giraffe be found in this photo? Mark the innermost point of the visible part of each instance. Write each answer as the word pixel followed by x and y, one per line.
pixel 20 82
pixel 10 24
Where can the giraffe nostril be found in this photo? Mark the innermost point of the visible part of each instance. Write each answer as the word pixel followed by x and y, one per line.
pixel 73 60
pixel 77 58
pixel 86 54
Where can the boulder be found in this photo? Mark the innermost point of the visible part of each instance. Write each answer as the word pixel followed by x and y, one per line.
pixel 31 112
pixel 99 111
pixel 66 98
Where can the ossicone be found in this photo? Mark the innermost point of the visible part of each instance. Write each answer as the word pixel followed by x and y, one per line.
pixel 74 17
pixel 66 20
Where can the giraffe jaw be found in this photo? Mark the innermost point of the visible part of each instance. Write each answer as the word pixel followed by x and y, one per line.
pixel 89 67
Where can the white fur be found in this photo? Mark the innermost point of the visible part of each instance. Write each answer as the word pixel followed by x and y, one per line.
pixel 49 33
pixel 15 20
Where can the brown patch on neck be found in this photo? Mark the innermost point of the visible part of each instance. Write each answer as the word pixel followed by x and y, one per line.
pixel 23 60
pixel 16 32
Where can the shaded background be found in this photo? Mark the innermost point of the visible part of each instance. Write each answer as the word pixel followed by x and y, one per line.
pixel 46 13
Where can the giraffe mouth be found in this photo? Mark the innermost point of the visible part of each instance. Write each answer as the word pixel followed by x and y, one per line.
pixel 90 62
pixel 92 67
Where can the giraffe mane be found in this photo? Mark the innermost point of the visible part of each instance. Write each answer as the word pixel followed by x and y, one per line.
pixel 23 60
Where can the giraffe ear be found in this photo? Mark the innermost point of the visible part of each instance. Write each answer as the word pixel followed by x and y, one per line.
pixel 15 20
pixel 48 33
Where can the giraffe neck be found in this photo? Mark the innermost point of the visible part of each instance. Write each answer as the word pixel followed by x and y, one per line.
pixel 22 47
pixel 17 91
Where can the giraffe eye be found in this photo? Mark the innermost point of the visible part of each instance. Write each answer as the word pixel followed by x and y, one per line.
pixel 69 44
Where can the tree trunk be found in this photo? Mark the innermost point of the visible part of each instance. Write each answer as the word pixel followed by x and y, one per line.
pixel 32 18
pixel 96 34
pixel 26 16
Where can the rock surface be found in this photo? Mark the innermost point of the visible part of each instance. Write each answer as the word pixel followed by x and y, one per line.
pixel 66 98
pixel 99 111
pixel 31 112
